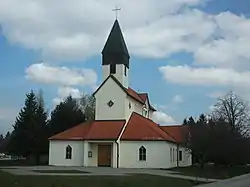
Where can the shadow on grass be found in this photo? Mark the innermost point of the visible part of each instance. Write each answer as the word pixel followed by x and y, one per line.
pixel 8 180
pixel 59 171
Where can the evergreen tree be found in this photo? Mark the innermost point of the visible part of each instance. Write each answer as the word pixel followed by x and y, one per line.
pixel 1 143
pixel 5 142
pixel 1 138
pixel 66 115
pixel 40 128
pixel 29 137
pixel 23 136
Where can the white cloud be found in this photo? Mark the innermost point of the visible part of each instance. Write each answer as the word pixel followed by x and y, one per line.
pixel 178 99
pixel 63 92
pixel 56 101
pixel 66 91
pixel 64 30
pixel 162 118
pixel 160 107
pixel 216 94
pixel 47 74
pixel 230 48
pixel 205 76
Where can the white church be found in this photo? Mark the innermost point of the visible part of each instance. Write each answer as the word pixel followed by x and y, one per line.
pixel 123 134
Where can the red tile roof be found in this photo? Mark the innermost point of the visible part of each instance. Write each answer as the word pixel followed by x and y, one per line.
pixel 132 93
pixel 76 133
pixel 101 130
pixel 178 132
pixel 138 128
pixel 141 128
pixel 96 130
pixel 141 97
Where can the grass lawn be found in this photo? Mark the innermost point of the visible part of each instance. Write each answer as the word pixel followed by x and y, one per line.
pixel 210 171
pixel 8 180
pixel 59 171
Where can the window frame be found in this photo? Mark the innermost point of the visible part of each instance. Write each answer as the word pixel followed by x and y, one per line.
pixel 68 152
pixel 142 154
pixel 171 156
pixel 144 111
pixel 180 156
pixel 125 71
pixel 112 68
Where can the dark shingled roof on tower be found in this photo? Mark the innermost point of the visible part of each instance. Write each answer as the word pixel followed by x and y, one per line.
pixel 115 45
pixel 115 42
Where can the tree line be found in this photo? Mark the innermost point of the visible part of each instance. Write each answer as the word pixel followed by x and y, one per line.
pixel 222 137
pixel 33 125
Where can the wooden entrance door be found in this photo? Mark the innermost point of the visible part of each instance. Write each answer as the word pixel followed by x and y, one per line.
pixel 104 155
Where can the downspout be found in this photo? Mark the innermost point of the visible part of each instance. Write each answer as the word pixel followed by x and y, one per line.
pixel 117 154
pixel 177 155
pixel 118 145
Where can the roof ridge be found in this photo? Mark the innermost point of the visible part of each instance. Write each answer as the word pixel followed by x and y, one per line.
pixel 156 126
pixel 70 129
pixel 168 133
pixel 172 125
pixel 110 120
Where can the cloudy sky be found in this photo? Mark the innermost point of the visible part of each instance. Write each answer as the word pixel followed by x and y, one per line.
pixel 184 53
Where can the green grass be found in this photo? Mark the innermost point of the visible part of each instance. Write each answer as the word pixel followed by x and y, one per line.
pixel 8 180
pixel 59 171
pixel 209 171
pixel 18 163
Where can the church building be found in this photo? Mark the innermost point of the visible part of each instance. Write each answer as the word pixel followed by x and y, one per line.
pixel 123 134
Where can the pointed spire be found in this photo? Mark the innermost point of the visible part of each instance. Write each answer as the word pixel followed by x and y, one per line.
pixel 115 49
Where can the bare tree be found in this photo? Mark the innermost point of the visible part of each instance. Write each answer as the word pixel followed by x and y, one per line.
pixel 87 105
pixel 232 109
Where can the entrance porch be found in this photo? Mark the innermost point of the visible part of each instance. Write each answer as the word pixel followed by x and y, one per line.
pixel 100 154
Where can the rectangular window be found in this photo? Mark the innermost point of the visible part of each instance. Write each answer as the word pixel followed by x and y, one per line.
pixel 125 71
pixel 112 69
pixel 180 155
pixel 171 160
pixel 173 154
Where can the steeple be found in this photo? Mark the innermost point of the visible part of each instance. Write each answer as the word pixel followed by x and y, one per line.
pixel 115 50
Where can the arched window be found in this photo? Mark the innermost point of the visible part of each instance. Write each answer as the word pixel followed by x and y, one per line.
pixel 68 152
pixel 142 153
pixel 144 111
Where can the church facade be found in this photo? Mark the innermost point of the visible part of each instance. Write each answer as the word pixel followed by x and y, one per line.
pixel 123 134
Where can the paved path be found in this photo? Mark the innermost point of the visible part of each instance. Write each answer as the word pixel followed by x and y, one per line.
pixel 99 171
pixel 239 181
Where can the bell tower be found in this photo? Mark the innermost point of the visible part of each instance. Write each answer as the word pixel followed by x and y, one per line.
pixel 115 56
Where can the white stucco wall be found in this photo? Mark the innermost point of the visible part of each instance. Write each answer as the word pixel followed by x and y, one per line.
pixel 157 154
pixel 110 91
pixel 136 107
pixel 57 153
pixel 92 161
pixel 186 158
pixel 120 74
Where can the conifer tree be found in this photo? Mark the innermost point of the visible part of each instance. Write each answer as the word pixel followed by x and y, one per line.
pixel 66 115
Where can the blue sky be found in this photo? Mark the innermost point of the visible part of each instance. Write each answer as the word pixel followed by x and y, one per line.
pixel 184 53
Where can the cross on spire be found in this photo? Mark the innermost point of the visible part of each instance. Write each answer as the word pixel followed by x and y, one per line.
pixel 116 9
